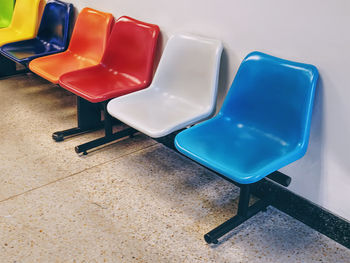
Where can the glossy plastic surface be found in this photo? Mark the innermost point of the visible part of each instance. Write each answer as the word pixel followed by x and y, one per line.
pixel 126 66
pixel 263 125
pixel 182 93
pixel 26 16
pixel 86 47
pixel 52 36
pixel 6 10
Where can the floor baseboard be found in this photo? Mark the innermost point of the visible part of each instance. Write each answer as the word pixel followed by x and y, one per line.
pixel 307 212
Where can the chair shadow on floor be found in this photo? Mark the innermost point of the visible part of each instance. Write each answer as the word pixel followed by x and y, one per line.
pixel 218 199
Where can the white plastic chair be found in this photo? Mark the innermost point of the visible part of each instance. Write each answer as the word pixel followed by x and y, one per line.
pixel 183 91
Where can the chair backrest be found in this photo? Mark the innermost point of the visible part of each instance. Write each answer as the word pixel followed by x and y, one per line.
pixel 273 96
pixel 90 34
pixel 6 10
pixel 26 15
pixel 131 49
pixel 54 26
pixel 189 68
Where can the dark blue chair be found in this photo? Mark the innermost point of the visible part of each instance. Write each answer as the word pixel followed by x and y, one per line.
pixel 52 36
pixel 263 125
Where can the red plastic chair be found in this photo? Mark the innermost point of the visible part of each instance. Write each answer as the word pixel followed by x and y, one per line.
pixel 88 42
pixel 126 66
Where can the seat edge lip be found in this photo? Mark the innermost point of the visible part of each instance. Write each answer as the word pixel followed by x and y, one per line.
pixel 254 177
pixel 27 59
pixel 164 131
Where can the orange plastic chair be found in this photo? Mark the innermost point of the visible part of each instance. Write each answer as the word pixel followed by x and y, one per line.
pixel 88 42
pixel 24 23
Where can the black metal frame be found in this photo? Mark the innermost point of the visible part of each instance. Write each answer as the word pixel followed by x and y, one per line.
pixel 245 211
pixel 9 68
pixel 89 119
pixel 243 214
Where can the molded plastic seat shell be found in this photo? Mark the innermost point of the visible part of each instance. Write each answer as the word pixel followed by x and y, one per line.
pixel 6 11
pixel 86 47
pixel 263 125
pixel 52 36
pixel 126 66
pixel 25 19
pixel 182 93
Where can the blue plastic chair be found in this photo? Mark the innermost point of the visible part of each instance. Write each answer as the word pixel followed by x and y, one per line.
pixel 52 35
pixel 263 125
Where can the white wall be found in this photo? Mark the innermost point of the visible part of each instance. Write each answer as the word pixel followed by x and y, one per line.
pixel 310 31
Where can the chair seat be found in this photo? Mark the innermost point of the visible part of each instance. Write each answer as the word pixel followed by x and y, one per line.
pixel 241 152
pixel 8 35
pixel 98 83
pixel 54 66
pixel 154 113
pixel 25 51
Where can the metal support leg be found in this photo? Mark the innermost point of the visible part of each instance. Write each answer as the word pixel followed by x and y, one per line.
pixel 9 68
pixel 89 119
pixel 89 114
pixel 109 135
pixel 243 214
pixel 243 203
pixel 60 135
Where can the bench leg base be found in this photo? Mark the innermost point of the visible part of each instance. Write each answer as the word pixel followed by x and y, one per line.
pixel 88 117
pixel 83 148
pixel 61 135
pixel 244 213
pixel 8 68
pixel 109 135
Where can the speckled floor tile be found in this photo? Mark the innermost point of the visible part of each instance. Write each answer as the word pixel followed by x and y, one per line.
pixel 149 206
pixel 31 109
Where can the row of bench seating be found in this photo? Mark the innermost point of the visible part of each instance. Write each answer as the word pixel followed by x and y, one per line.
pixel 263 125
pixel 22 41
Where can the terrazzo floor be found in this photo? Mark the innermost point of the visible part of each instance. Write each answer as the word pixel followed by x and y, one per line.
pixel 133 201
